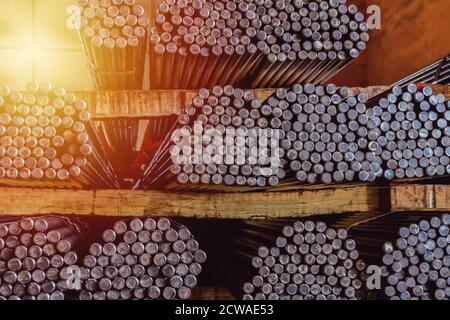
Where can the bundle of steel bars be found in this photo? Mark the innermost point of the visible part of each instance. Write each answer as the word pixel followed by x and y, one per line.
pixel 260 43
pixel 142 259
pixel 43 133
pixel 307 41
pixel 412 134
pixel 307 261
pixel 415 261
pixel 47 137
pixel 35 254
pixel 327 134
pixel 114 37
pixel 224 138
pixel 320 134
pixel 419 261
pixel 201 43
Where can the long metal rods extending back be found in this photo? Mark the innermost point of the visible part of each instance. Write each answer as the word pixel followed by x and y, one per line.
pixel 142 259
pixel 34 257
pixel 257 43
pixel 114 39
pixel 436 73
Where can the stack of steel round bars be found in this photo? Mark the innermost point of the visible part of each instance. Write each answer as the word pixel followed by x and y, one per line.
pixel 34 257
pixel 260 43
pixel 224 139
pixel 412 134
pixel 415 263
pixel 46 134
pixel 203 43
pixel 327 133
pixel 307 261
pixel 142 259
pixel 419 261
pixel 322 134
pixel 114 38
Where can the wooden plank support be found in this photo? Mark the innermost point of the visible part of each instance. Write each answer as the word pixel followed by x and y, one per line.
pixel 212 293
pixel 19 201
pixel 420 197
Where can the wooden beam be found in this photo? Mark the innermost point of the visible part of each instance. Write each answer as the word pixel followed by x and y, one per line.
pixel 420 197
pixel 20 201
pixel 146 104
pixel 212 293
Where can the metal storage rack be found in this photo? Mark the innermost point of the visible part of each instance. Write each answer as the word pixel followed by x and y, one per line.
pixel 291 200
